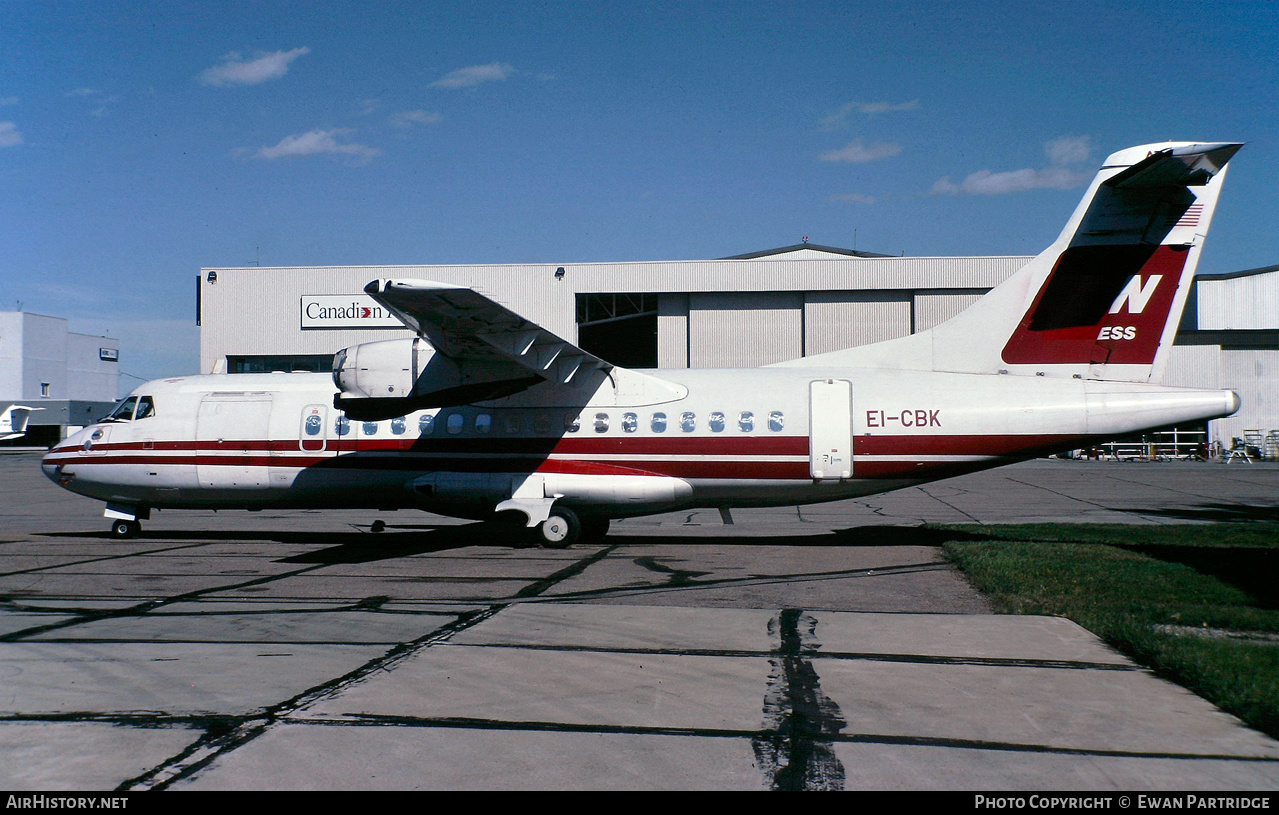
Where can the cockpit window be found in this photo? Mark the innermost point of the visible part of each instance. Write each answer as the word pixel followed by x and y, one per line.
pixel 123 411
pixel 146 408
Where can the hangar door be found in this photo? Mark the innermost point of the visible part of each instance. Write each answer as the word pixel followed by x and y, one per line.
pixel 231 433
pixel 830 429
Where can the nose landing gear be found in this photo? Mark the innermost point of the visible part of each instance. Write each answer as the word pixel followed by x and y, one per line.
pixel 124 530
pixel 126 520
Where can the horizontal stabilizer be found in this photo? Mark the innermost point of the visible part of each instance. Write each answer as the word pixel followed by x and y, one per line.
pixel 1190 165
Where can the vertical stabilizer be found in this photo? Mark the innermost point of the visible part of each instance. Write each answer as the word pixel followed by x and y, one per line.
pixel 1102 302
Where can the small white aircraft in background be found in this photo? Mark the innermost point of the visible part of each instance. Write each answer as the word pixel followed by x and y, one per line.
pixel 13 421
pixel 485 413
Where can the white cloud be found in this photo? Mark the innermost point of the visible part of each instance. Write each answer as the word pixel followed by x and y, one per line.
pixel 853 198
pixel 81 92
pixel 888 107
pixel 9 135
pixel 235 70
pixel 839 117
pixel 1062 153
pixel 409 118
pixel 857 153
pixel 1069 150
pixel 8 100
pixel 474 75
pixel 316 142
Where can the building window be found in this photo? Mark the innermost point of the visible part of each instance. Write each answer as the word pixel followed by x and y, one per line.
pixel 44 389
pixel 265 364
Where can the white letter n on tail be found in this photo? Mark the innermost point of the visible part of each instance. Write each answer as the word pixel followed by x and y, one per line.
pixel 1136 294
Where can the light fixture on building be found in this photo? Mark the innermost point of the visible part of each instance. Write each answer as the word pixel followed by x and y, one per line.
pixel 213 277
pixel 559 273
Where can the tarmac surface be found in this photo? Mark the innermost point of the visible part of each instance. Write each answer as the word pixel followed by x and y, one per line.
pixel 822 647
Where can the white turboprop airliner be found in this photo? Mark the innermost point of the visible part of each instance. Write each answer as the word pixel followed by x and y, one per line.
pixel 485 413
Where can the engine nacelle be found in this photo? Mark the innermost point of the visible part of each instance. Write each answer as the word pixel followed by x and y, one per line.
pixel 389 378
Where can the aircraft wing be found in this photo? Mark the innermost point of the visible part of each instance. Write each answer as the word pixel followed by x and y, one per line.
pixel 465 326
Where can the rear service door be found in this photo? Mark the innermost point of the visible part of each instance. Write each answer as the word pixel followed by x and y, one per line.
pixel 830 429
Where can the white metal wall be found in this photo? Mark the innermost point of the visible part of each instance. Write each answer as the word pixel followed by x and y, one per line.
pixel 1254 375
pixel 836 320
pixel 1240 303
pixel 936 307
pixel 744 329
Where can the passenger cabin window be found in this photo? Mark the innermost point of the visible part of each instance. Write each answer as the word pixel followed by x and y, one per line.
pixel 454 423
pixel 542 424
pixel 370 428
pixel 146 408
pixel 776 421
pixel 512 424
pixel 658 424
pixel 483 423
pixel 687 422
pixel 398 426
pixel 746 421
pixel 716 422
pixel 425 425
pixel 572 422
pixel 601 422
pixel 313 425
pixel 342 426
pixel 629 422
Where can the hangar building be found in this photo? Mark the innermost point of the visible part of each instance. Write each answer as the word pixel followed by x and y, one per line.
pixel 741 311
pixel 71 377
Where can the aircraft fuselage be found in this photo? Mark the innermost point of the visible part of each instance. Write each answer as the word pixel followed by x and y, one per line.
pixel 751 437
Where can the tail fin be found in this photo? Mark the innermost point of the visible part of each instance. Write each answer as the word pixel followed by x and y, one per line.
pixel 1102 302
pixel 13 421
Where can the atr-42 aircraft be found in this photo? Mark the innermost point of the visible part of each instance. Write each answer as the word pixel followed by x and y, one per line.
pixel 485 414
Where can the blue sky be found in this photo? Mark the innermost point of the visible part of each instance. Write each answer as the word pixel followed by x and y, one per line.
pixel 140 141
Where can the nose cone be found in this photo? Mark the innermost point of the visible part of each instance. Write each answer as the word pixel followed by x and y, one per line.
pixel 49 465
pixel 1233 402
pixel 59 456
